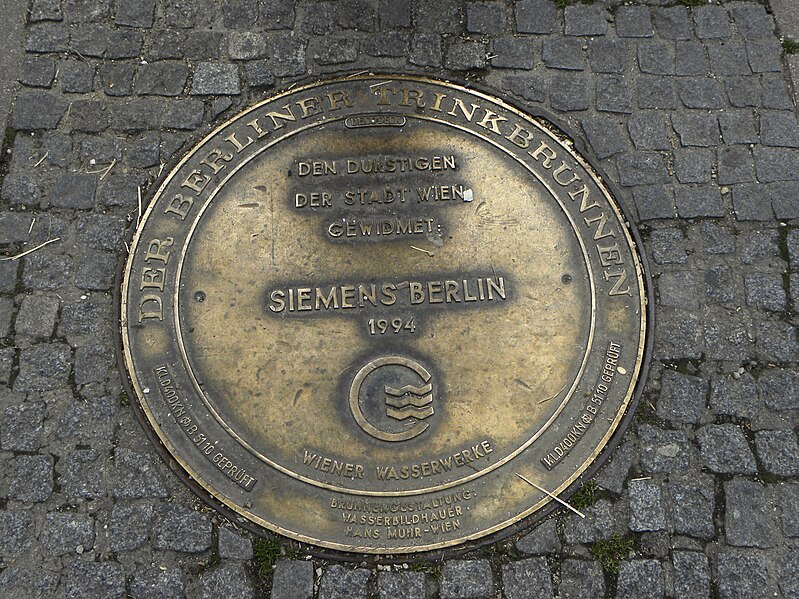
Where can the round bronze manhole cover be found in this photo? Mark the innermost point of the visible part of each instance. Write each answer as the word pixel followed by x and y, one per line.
pixel 384 314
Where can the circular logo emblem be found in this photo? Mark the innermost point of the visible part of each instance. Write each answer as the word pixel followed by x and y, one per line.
pixel 391 398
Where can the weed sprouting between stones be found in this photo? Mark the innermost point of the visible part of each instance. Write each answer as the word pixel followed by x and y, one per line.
pixel 585 496
pixel 265 550
pixel 611 552
pixel 790 46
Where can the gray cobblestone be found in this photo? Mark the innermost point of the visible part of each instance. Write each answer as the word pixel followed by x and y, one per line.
pixel 607 55
pixel 691 574
pixel 158 583
pixel 724 449
pixel 65 533
pixel 734 396
pixel 728 59
pixel 31 478
pixel 634 21
pixel 293 579
pixel 215 79
pixel 581 579
pixel 585 20
pixel 655 201
pixel 788 503
pixel 338 582
pixel 177 528
pixel 137 475
pixel 712 22
pixel 233 545
pixel 19 582
pixel 43 366
pixel 95 579
pixel 646 506
pixel 600 524
pixel 17 532
pixel 129 525
pixel 692 506
pixel 682 398
pixel 735 165
pixel 513 53
pixel 691 58
pixel 228 580
pixel 410 585
pixel 542 540
pixel 640 578
pixel 466 579
pixel 83 475
pixel 22 428
pixel 741 574
pixel 536 16
pixel 785 199
pixel 778 451
pixel 696 129
pixel 656 93
pixel 485 17
pixel 426 50
pixel 748 521
pixel 528 578
pixel 564 53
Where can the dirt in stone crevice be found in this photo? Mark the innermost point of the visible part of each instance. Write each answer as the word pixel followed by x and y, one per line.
pixel 5 152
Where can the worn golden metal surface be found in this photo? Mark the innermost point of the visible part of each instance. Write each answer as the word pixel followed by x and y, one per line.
pixel 362 312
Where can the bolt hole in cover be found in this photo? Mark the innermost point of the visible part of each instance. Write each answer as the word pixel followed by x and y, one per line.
pixel 384 315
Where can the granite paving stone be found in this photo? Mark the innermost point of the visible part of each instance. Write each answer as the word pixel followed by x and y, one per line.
pixel 22 427
pixel 19 582
pixel 748 518
pixel 233 545
pixel 83 475
pixel 158 583
pixel 778 451
pixel 537 16
pixel 634 21
pixel 177 528
pixel 691 574
pixel 788 503
pixel 724 449
pixel 129 525
pixel 581 579
pixel 228 580
pixel 647 512
pixel 294 579
pixel 31 478
pixel 401 584
pixel 640 578
pixel 239 14
pixel 741 574
pixel 67 533
pixel 732 395
pixel 682 398
pixel 339 582
pixel 466 579
pixel 542 540
pixel 751 202
pixel 607 55
pixel 528 578
pixel 485 17
pixel 95 579
pixel 692 506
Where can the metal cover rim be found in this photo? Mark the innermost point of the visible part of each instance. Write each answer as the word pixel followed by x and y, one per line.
pixel 632 396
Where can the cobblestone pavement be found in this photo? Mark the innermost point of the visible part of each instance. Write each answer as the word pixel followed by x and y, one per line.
pixel 689 111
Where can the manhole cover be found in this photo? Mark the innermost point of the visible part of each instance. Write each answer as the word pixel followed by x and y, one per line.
pixel 384 314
